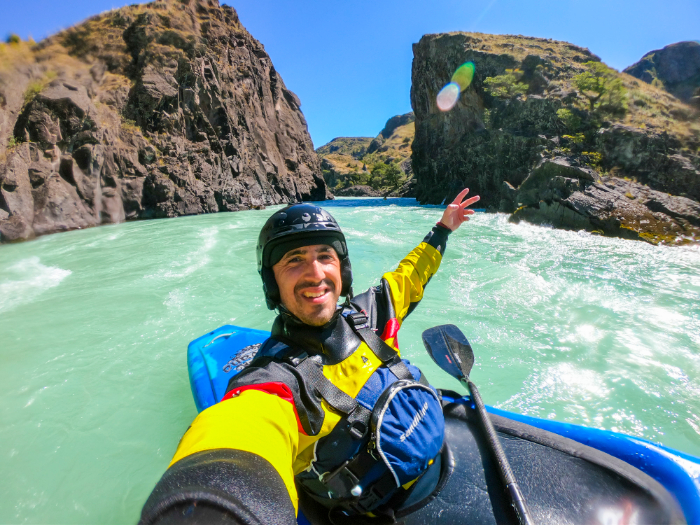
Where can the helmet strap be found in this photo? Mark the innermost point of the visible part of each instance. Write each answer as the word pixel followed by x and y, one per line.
pixel 270 288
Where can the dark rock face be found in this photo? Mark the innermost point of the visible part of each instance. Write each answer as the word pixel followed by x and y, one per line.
pixel 676 67
pixel 502 146
pixel 576 198
pixel 655 159
pixel 165 109
pixel 475 145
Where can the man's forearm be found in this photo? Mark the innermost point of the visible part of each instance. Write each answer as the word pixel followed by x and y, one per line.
pixel 219 486
pixel 407 283
pixel 253 436
pixel 437 237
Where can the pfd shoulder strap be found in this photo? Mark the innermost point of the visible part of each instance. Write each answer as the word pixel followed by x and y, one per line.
pixel 386 354
pixel 357 416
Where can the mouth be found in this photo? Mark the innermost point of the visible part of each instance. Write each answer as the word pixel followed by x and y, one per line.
pixel 315 294
pixel 312 295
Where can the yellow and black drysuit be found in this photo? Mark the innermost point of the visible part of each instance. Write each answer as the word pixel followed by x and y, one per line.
pixel 240 457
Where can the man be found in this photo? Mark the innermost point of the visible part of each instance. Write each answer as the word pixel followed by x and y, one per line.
pixel 299 414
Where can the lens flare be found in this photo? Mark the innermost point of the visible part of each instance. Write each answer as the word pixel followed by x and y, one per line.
pixel 461 80
pixel 464 75
pixel 447 98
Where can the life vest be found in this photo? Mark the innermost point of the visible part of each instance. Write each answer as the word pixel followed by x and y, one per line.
pixel 388 435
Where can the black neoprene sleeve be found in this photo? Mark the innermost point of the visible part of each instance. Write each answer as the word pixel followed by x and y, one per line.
pixel 219 486
pixel 437 238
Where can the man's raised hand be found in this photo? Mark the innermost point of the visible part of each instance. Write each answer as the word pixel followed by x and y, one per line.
pixel 457 212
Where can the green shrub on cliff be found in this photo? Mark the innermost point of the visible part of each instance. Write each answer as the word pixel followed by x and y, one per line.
pixel 506 86
pixel 37 86
pixel 33 90
pixel 603 88
pixel 13 39
pixel 579 138
pixel 593 158
pixel 385 175
pixel 569 119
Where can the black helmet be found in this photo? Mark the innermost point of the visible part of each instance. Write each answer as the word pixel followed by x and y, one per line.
pixel 293 227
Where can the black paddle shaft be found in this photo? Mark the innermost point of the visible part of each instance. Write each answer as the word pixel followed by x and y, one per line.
pixel 452 352
pixel 512 487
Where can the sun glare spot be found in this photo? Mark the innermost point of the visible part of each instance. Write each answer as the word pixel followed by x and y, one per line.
pixel 447 98
pixel 464 75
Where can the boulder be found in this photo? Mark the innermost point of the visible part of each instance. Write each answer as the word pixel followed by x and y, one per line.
pixel 509 194
pixel 574 198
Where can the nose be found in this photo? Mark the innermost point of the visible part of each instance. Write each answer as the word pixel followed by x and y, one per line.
pixel 315 270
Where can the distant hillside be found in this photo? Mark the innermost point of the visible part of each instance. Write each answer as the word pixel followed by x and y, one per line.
pixel 353 146
pixel 675 68
pixel 380 164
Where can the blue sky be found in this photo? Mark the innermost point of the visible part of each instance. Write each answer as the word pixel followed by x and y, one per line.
pixel 350 61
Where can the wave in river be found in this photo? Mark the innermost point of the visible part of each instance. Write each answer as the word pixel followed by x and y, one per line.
pixel 26 280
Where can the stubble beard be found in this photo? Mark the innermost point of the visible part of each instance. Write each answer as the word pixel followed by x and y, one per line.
pixel 320 314
pixel 318 318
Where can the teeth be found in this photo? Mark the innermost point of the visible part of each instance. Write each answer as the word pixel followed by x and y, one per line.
pixel 313 295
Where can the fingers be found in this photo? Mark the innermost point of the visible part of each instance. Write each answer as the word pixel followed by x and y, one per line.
pixel 469 202
pixel 462 194
pixel 466 214
pixel 456 212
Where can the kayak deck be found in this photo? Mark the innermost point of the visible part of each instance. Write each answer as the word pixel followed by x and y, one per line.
pixel 217 356
pixel 564 482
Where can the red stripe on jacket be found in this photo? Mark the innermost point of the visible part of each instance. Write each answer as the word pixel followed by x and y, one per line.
pixel 391 329
pixel 274 388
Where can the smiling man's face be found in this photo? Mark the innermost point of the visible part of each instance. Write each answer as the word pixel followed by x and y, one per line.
pixel 310 283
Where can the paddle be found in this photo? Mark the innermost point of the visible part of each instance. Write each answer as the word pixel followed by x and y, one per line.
pixel 452 352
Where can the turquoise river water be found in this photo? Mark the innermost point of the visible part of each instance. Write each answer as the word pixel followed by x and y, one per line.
pixel 94 326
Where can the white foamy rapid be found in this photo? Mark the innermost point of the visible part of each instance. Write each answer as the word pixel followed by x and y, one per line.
pixel 24 281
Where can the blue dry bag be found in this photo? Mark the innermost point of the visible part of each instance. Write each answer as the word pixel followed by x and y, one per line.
pixel 406 421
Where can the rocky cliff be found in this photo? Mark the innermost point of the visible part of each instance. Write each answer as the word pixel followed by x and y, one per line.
pixel 155 110
pixel 533 100
pixel 675 68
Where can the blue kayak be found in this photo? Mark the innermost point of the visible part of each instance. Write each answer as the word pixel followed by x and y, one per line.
pixel 568 473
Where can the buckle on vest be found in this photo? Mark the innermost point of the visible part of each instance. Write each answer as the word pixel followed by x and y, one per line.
pixel 358 422
pixel 357 320
pixel 395 360
pixel 358 429
pixel 296 359
pixel 341 480
pixel 367 502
